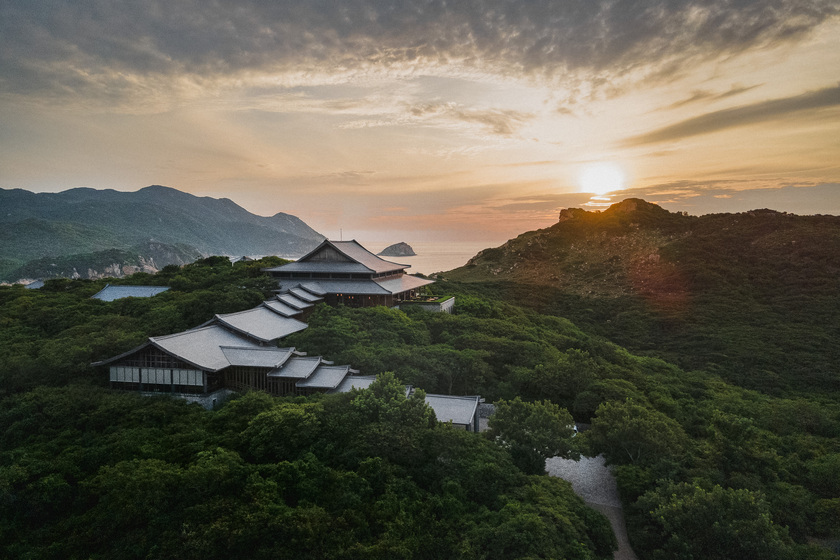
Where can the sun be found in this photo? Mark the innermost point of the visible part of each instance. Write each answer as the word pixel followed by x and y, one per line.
pixel 601 178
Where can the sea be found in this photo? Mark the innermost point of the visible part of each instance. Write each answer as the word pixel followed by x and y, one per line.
pixel 434 257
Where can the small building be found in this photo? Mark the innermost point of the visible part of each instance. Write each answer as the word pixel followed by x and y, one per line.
pixel 111 293
pixel 432 304
pixel 344 272
pixel 460 411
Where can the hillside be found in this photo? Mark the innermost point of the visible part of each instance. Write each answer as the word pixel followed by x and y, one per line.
pixel 754 296
pixel 125 475
pixel 83 220
pixel 149 257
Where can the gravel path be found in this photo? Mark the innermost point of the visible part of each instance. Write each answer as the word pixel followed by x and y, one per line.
pixel 593 481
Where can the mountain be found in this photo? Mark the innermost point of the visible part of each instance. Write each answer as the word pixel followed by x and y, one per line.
pixel 754 296
pixel 84 220
pixel 149 257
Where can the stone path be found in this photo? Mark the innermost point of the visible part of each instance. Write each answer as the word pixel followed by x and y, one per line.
pixel 593 481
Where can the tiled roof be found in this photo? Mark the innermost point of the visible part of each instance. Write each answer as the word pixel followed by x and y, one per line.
pixel 202 347
pixel 313 288
pixel 261 323
pixel 362 261
pixel 325 377
pixel 361 255
pixel 293 301
pixel 354 382
pixel 257 357
pixel 458 410
pixel 110 293
pixel 297 368
pixel 403 283
pixel 282 308
pixel 339 267
pixel 304 295
pixel 355 287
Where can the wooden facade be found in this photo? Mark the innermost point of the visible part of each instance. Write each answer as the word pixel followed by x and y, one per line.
pixel 150 369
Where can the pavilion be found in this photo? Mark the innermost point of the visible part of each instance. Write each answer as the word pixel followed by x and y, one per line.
pixel 344 272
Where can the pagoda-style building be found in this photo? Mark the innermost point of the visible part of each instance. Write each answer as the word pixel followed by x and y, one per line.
pixel 240 351
pixel 344 272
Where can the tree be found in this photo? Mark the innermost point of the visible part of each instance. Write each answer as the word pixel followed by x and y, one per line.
pixel 627 432
pixel 718 524
pixel 390 424
pixel 533 432
pixel 283 432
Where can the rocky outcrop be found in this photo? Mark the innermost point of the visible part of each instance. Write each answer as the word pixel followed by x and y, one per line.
pixel 400 249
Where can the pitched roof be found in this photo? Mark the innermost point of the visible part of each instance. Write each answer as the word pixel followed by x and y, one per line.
pixel 297 367
pixel 352 257
pixel 325 377
pixel 458 410
pixel 304 295
pixel 335 267
pixel 257 357
pixel 293 301
pixel 282 308
pixel 261 323
pixel 370 287
pixel 354 382
pixel 366 287
pixel 110 293
pixel 202 347
pixel 361 255
pixel 313 288
pixel 403 283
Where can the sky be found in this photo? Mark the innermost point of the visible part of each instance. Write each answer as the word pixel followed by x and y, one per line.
pixel 457 120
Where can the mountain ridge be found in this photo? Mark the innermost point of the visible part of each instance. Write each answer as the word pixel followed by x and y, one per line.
pixel 84 220
pixel 754 295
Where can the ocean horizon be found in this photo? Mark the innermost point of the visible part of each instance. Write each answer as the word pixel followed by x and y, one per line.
pixel 433 256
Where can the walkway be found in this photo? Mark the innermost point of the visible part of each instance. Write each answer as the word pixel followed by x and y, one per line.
pixel 593 481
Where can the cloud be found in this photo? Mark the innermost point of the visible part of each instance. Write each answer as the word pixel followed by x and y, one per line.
pixel 498 121
pixel 703 95
pixel 740 116
pixel 107 48
pixel 704 197
pixel 501 122
pixel 545 202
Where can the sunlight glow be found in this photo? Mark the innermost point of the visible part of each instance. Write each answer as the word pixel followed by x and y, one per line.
pixel 601 178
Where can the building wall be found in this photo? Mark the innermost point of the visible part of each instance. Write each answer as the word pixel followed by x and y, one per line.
pixel 443 307
pixel 160 380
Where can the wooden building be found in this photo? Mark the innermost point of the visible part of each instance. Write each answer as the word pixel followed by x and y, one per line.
pixel 235 352
pixel 344 272
pixel 231 352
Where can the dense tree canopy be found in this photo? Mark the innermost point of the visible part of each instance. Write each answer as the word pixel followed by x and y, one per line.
pixel 88 473
pixel 533 432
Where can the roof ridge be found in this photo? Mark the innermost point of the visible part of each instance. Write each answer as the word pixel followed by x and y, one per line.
pixel 208 325
pixel 260 348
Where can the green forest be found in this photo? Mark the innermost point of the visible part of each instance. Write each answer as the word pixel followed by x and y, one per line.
pixel 708 465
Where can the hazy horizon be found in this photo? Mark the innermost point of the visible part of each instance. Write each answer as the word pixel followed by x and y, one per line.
pixel 431 121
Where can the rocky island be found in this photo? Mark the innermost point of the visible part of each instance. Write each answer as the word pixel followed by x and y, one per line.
pixel 400 249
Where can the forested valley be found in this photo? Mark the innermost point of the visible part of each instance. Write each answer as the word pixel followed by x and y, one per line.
pixel 708 468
